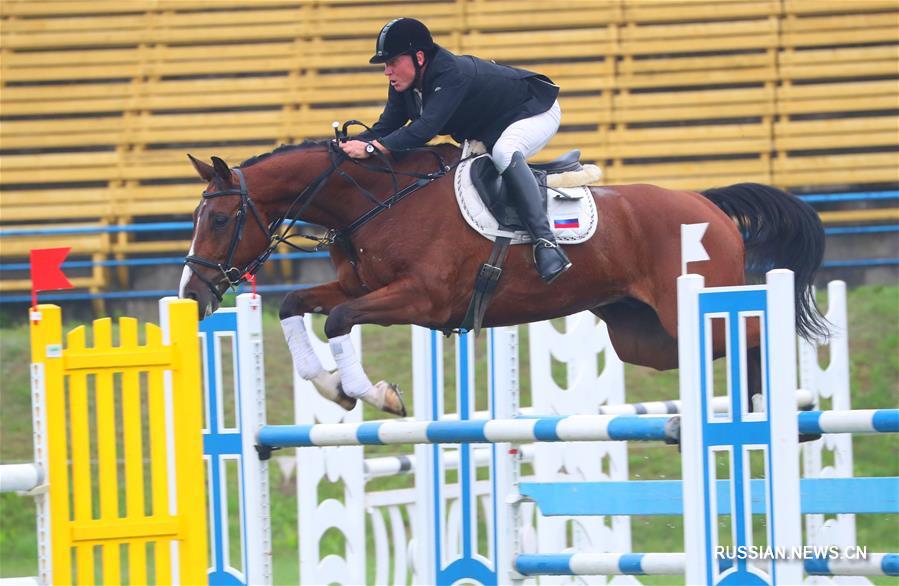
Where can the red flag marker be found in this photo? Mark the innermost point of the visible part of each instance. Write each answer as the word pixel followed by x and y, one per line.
pixel 252 280
pixel 46 271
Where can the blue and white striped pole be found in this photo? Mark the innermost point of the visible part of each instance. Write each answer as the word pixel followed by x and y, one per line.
pixel 673 564
pixel 571 428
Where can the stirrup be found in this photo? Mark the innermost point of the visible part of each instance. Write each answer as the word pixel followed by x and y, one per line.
pixel 546 243
pixel 549 275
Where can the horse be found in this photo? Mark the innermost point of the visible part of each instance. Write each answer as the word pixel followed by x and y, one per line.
pixel 414 260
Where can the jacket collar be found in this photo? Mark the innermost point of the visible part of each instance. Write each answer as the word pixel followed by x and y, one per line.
pixel 426 78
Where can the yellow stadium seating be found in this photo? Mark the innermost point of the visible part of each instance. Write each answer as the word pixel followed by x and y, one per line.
pixel 102 100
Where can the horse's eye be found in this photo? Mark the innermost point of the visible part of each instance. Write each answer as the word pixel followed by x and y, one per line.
pixel 219 220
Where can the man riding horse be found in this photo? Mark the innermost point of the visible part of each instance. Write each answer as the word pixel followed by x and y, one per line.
pixel 404 254
pixel 514 112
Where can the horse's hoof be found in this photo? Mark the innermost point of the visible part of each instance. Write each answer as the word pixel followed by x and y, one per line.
pixel 393 400
pixel 344 400
pixel 328 386
pixel 386 397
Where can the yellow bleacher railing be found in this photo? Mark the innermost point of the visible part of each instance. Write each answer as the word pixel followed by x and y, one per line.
pixel 107 414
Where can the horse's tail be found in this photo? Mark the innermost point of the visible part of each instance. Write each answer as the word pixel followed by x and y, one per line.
pixel 779 231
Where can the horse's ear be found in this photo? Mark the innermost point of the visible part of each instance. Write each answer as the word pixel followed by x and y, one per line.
pixel 206 171
pixel 222 169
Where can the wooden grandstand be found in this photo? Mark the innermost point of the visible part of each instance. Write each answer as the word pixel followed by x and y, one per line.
pixel 101 100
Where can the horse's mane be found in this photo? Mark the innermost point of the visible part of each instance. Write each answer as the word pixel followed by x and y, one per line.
pixel 284 148
pixel 311 144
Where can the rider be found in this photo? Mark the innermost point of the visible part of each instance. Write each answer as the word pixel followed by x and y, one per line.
pixel 512 111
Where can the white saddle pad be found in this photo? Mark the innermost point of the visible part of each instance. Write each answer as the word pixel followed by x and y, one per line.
pixel 572 213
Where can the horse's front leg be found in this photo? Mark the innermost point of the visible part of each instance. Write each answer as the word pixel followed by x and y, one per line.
pixel 398 303
pixel 306 364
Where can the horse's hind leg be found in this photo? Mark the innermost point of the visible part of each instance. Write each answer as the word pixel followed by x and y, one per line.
pixel 754 382
pixel 637 334
pixel 640 338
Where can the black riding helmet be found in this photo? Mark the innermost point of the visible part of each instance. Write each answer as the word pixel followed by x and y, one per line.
pixel 401 36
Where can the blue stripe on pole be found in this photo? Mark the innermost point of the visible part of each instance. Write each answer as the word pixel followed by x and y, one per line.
pixel 452 432
pixel 367 434
pixel 890 564
pixel 631 563
pixel 545 564
pixel 816 567
pixel 546 429
pixel 633 427
pixel 810 422
pixel 886 420
pixel 285 435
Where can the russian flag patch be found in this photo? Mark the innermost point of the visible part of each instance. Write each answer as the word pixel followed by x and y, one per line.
pixel 560 223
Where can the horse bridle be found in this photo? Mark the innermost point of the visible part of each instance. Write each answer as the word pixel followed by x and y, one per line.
pixel 234 276
pixel 231 274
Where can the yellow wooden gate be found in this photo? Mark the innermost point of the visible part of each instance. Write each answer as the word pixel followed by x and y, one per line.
pixel 126 472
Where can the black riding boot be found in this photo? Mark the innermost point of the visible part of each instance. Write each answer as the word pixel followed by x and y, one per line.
pixel 549 257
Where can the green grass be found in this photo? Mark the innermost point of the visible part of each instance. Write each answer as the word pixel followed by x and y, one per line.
pixel 874 349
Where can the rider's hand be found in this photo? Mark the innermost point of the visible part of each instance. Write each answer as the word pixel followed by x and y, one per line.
pixel 355 149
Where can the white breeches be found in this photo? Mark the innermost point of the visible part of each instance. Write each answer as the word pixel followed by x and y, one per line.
pixel 528 136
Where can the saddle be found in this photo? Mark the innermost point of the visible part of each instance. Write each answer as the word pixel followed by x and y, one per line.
pixel 493 192
pixel 485 203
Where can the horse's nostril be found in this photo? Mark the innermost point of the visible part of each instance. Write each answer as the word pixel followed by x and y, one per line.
pixel 191 295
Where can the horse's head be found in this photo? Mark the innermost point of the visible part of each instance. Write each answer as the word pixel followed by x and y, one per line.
pixel 230 235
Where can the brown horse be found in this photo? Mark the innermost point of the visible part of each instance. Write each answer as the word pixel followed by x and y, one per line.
pixel 416 261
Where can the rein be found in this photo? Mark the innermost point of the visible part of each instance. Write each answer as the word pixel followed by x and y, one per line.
pixel 234 276
pixel 422 179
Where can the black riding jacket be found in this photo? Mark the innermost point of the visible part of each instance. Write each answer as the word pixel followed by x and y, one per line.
pixel 465 97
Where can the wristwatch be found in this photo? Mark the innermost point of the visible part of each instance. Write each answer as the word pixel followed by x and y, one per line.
pixel 370 148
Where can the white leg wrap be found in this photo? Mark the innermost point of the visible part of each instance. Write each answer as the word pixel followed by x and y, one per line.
pixel 305 362
pixel 354 380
